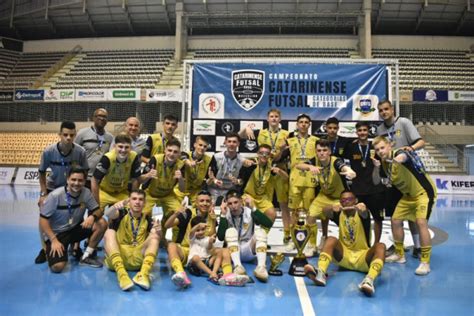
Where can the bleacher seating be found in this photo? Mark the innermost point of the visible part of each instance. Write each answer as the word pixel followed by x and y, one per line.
pixel 24 148
pixel 8 60
pixel 272 53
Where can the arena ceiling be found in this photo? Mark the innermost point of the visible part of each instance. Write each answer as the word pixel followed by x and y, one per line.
pixel 45 19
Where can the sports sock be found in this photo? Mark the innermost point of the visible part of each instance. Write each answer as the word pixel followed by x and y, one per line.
pixel 235 256
pixel 226 268
pixel 148 262
pixel 262 256
pixel 177 265
pixel 286 233
pixel 399 250
pixel 117 262
pixel 425 254
pixel 324 261
pixel 313 234
pixel 375 268
pixel 87 253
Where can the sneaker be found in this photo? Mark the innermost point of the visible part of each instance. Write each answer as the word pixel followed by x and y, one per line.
pixel 290 246
pixel 423 269
pixel 395 258
pixel 142 280
pixel 124 281
pixel 321 243
pixel 309 250
pixel 315 274
pixel 41 257
pixel 77 253
pixel 367 286
pixel 240 270
pixel 91 262
pixel 232 279
pixel 286 239
pixel 181 280
pixel 416 253
pixel 261 274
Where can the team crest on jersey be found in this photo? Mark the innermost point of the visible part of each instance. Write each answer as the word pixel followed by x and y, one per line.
pixel 248 87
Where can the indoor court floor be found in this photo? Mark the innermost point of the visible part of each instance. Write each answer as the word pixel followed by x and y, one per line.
pixel 30 289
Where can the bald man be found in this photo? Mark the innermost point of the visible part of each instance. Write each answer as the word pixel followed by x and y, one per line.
pixel 133 129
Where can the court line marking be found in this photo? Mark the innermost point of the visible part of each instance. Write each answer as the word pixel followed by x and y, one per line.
pixel 303 295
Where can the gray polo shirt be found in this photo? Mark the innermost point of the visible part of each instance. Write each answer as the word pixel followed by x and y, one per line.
pixel 61 164
pixel 64 211
pixel 95 145
pixel 402 132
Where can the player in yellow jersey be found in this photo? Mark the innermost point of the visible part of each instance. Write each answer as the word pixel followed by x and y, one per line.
pixel 402 170
pixel 196 169
pixel 156 143
pixel 275 137
pixel 331 173
pixel 114 171
pixel 131 242
pixel 351 251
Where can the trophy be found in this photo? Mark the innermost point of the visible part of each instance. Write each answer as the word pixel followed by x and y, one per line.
pixel 276 261
pixel 300 235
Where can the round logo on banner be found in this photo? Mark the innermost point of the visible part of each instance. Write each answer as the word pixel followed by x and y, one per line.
pixel 211 105
pixel 227 127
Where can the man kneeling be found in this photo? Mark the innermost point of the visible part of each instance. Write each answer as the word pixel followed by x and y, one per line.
pixel 351 251
pixel 131 242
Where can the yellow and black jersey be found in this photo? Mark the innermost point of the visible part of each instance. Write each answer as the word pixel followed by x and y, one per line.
pixel 155 144
pixel 406 177
pixel 301 150
pixel 165 181
pixel 273 139
pixel 184 226
pixel 114 175
pixel 131 230
pixel 258 180
pixel 195 176
pixel 354 231
pixel 330 181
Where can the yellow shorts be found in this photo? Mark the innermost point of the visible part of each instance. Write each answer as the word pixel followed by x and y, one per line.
pixel 169 203
pixel 319 203
pixel 354 260
pixel 111 198
pixel 281 186
pixel 191 195
pixel 132 257
pixel 185 251
pixel 262 203
pixel 411 208
pixel 300 195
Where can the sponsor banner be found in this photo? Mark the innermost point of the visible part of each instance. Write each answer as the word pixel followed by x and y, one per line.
pixel 6 96
pixel 247 91
pixel 123 94
pixel 6 175
pixel 59 95
pixel 421 95
pixel 455 202
pixel 91 94
pixel 164 95
pixel 347 129
pixel 28 176
pixel 204 127
pixel 461 96
pixel 29 95
pixel 454 184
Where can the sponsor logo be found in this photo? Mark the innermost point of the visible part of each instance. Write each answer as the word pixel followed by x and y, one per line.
pixel 6 96
pixel 366 104
pixel 430 95
pixel 202 127
pixel 250 145
pixel 442 185
pixel 29 95
pixel 86 94
pixel 31 175
pixel 248 87
pixel 211 105
pixel 227 127
pixel 124 94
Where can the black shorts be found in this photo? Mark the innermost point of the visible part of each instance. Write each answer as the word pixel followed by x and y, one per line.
pixel 392 196
pixel 375 204
pixel 66 238
pixel 194 270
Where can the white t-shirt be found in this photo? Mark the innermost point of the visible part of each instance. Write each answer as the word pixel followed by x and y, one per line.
pixel 198 247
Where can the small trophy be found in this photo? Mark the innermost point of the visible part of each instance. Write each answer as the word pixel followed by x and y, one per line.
pixel 300 235
pixel 276 261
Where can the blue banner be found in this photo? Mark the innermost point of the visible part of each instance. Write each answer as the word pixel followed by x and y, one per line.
pixel 247 91
pixel 29 95
pixel 430 95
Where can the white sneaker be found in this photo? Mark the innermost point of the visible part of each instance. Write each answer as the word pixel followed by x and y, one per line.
pixel 321 244
pixel 423 269
pixel 309 250
pixel 261 274
pixel 290 246
pixel 240 270
pixel 395 258
pixel 367 286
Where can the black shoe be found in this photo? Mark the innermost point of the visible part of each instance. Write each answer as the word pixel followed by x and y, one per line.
pixel 390 251
pixel 41 257
pixel 416 253
pixel 91 262
pixel 77 253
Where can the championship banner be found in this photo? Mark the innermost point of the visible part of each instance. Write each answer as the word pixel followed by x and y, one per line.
pixel 164 95
pixel 123 94
pixel 454 184
pixel 29 95
pixel 6 175
pixel 59 95
pixel 91 94
pixel 248 91
pixel 465 96
pixel 420 95
pixel 28 176
pixel 6 96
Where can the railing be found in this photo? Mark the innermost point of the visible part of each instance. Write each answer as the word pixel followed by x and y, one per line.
pixel 454 154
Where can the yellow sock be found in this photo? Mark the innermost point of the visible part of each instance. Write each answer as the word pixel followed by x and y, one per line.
pixel 226 268
pixel 266 229
pixel 177 265
pixel 117 262
pixel 324 261
pixel 399 250
pixel 286 233
pixel 148 263
pixel 426 254
pixel 375 268
pixel 313 234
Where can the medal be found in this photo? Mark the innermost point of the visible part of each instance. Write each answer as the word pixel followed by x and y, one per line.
pixel 363 163
pixel 364 154
pixel 70 221
pixel 134 230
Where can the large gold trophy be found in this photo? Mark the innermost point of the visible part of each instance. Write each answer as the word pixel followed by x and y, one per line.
pixel 300 234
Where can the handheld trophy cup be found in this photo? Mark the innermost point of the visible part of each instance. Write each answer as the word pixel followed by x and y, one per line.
pixel 300 236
